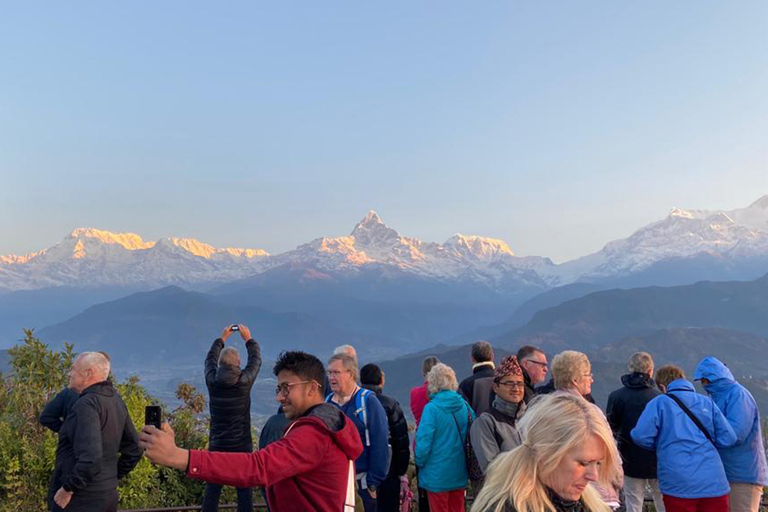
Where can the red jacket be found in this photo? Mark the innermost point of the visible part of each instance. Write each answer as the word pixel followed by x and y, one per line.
pixel 305 470
pixel 419 400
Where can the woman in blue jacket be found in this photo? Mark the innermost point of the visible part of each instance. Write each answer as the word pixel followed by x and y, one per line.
pixel 440 442
pixel 744 462
pixel 691 474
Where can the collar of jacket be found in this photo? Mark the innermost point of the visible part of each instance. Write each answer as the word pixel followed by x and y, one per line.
pixel 101 388
pixel 636 380
pixel 477 366
pixel 375 389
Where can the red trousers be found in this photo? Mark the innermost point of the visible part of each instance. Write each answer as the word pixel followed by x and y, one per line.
pixel 719 504
pixel 448 501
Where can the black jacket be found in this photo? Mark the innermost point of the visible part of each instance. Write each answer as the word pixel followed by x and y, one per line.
pixel 625 406
pixel 56 411
pixel 398 433
pixel 530 392
pixel 561 505
pixel 467 387
pixel 97 430
pixel 229 389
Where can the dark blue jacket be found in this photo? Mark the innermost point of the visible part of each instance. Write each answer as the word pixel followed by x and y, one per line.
pixel 373 460
pixel 745 461
pixel 688 463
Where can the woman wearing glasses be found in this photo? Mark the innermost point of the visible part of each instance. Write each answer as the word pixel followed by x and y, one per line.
pixel 495 432
pixel 572 373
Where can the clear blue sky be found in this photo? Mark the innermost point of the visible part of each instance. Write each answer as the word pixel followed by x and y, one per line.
pixel 556 126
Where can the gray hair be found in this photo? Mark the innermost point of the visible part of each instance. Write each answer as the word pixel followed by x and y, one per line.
pixel 229 356
pixel 346 349
pixel 95 362
pixel 347 361
pixel 441 377
pixel 568 366
pixel 640 362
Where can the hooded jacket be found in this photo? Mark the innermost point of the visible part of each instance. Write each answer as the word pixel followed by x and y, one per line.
pixel 745 461
pixel 305 470
pixel 625 406
pixel 440 442
pixel 689 466
pixel 229 389
pixel 96 431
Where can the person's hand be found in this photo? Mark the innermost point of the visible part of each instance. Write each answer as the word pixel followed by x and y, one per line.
pixel 372 493
pixel 245 332
pixel 160 447
pixel 226 333
pixel 62 497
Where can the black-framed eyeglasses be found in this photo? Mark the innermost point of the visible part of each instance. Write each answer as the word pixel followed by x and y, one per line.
pixel 285 388
pixel 536 362
pixel 511 385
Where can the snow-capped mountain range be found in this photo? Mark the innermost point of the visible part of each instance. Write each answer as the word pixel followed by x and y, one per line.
pixel 91 257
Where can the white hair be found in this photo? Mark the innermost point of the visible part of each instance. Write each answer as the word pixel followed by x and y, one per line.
pixel 96 362
pixel 346 349
pixel 441 377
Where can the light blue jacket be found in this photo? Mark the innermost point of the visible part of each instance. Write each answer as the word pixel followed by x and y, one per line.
pixel 439 448
pixel 688 465
pixel 745 461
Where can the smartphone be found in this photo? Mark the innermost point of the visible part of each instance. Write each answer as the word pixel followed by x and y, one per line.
pixel 153 415
pixel 234 327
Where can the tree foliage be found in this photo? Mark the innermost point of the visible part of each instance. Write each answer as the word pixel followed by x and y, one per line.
pixel 28 450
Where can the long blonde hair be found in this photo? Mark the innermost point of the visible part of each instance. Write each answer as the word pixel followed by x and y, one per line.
pixel 552 426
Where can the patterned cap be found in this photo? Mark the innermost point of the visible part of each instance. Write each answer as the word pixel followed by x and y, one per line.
pixel 508 366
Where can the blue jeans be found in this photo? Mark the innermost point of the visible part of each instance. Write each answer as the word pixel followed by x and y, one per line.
pixel 213 492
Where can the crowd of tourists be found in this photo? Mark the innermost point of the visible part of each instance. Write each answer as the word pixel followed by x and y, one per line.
pixel 519 434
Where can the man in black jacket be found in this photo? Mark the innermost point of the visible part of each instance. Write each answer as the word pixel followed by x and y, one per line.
pixel 96 430
pixel 533 361
pixel 625 405
pixel 229 389
pixel 388 499
pixel 477 389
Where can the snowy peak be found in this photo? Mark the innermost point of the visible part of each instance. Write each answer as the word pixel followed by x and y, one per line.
pixel 372 231
pixel 761 204
pixel 478 247
pixel 129 241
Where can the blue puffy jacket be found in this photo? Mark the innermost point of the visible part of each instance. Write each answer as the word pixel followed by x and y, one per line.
pixel 689 466
pixel 439 448
pixel 745 461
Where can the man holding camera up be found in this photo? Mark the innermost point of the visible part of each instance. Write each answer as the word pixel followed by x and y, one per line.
pixel 229 389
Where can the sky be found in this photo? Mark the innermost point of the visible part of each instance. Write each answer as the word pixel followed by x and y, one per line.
pixel 555 126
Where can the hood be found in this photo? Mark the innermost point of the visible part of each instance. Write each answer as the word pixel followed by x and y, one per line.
pixel 103 388
pixel 637 380
pixel 447 400
pixel 715 372
pixel 681 385
pixel 339 427
pixel 228 375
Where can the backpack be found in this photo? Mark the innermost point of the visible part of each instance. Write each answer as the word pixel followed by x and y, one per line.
pixel 360 410
pixel 473 466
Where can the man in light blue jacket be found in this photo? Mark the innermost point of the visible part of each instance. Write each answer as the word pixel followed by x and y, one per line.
pixel 691 474
pixel 744 462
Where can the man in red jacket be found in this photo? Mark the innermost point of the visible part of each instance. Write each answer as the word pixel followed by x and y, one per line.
pixel 307 469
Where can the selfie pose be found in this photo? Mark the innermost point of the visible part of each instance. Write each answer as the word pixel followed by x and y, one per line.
pixel 308 469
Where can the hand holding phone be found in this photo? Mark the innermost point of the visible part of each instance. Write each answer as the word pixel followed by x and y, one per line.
pixel 153 415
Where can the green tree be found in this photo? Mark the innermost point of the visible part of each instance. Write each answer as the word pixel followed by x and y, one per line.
pixel 27 449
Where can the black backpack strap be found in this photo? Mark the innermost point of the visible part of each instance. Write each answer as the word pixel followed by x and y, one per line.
pixel 693 417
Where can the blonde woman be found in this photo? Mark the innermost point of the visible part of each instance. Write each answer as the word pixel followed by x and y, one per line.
pixel 566 444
